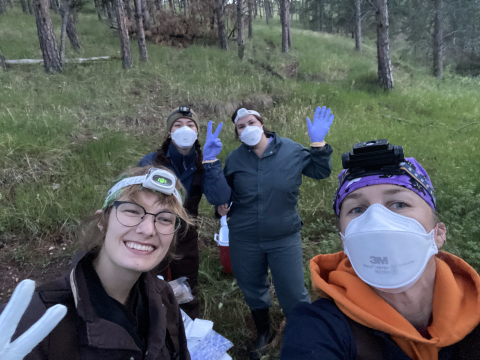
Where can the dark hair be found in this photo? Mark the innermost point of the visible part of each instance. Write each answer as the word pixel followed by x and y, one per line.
pixel 234 115
pixel 161 156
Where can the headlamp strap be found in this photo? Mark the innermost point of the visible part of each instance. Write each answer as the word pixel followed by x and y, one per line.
pixel 241 113
pixel 135 180
pixel 402 168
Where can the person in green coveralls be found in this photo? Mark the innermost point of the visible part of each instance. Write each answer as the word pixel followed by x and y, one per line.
pixel 265 174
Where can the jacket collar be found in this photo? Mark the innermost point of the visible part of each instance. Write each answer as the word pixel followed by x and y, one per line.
pixel 271 149
pixel 107 335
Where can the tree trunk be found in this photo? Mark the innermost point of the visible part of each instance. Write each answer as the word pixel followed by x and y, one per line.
pixel 54 6
pixel 358 25
pixel 284 21
pixel 23 4
pixel 266 4
pixel 322 14
pixel 123 33
pixel 97 7
pixel 146 15
pixel 30 7
pixel 385 76
pixel 170 3
pixel 108 10
pixel 72 33
pixel 240 28
pixel 438 40
pixel 64 11
pixel 2 6
pixel 142 45
pixel 222 34
pixel 250 18
pixel 46 37
pixel 128 9
pixel 287 19
pixel 3 66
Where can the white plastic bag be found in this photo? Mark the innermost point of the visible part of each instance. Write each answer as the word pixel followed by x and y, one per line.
pixel 182 290
pixel 203 342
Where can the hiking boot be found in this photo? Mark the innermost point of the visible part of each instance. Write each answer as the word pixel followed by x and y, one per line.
pixel 261 318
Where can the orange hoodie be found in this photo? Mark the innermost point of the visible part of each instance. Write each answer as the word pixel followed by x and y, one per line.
pixel 456 303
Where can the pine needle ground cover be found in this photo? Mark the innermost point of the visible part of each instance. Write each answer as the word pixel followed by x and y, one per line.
pixel 64 138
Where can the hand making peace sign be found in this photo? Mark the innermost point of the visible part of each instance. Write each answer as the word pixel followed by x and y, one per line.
pixel 213 145
pixel 11 316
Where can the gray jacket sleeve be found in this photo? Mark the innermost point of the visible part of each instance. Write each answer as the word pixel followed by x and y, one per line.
pixel 317 164
pixel 215 186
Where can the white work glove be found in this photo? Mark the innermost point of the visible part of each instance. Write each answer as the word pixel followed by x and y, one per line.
pixel 11 316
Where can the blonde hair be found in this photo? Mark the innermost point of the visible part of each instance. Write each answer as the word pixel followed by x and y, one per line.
pixel 92 229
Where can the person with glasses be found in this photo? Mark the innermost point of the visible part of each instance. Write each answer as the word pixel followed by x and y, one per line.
pixel 200 173
pixel 117 308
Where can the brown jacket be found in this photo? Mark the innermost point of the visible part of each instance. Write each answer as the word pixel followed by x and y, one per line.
pixel 81 335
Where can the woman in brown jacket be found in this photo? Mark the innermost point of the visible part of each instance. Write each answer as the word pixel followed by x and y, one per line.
pixel 116 308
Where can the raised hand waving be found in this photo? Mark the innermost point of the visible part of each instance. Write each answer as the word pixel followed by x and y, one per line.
pixel 321 124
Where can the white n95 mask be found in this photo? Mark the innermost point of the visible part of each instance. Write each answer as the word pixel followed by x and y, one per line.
pixel 388 251
pixel 251 135
pixel 184 137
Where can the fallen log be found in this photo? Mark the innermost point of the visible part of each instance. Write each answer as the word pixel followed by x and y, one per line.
pixel 74 61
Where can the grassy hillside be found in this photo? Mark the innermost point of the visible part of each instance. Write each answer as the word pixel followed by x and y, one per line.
pixel 64 137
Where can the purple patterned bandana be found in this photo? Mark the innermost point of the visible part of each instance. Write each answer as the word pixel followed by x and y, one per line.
pixel 415 179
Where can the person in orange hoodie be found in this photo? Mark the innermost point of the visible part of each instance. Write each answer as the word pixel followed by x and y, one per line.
pixel 391 294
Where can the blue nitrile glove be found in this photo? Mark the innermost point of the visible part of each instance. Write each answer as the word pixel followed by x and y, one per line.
pixel 213 145
pixel 321 124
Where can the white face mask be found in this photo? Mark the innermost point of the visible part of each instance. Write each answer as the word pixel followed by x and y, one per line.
pixel 388 251
pixel 184 137
pixel 251 135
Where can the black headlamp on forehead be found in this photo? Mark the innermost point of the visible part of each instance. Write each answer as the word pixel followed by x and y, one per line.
pixel 185 110
pixel 378 157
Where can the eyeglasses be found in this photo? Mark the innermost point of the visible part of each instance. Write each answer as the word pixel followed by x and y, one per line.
pixel 131 214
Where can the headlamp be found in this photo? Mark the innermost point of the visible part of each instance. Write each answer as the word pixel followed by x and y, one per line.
pixel 378 157
pixel 156 179
pixel 185 110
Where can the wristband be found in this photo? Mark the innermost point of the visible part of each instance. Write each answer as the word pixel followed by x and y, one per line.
pixel 209 161
pixel 318 144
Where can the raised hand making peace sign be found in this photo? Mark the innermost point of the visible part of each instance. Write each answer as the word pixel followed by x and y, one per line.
pixel 213 145
pixel 11 316
pixel 321 124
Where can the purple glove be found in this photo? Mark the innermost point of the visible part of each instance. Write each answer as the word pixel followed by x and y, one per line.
pixel 213 145
pixel 321 124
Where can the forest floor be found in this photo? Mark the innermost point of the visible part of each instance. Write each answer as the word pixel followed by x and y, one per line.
pixel 65 137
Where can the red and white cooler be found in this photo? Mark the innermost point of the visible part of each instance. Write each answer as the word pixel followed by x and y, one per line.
pixel 222 240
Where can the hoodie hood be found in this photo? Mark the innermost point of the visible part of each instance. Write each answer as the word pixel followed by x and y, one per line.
pixel 456 303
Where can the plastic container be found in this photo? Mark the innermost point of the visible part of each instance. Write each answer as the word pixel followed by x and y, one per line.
pixel 223 246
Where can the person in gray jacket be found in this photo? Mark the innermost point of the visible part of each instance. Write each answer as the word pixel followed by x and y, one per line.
pixel 265 174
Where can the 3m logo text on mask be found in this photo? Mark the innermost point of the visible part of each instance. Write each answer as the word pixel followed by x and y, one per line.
pixel 378 260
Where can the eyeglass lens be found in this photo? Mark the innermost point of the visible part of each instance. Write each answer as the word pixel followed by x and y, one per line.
pixel 131 214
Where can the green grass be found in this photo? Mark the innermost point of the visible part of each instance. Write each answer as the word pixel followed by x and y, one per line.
pixel 65 137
